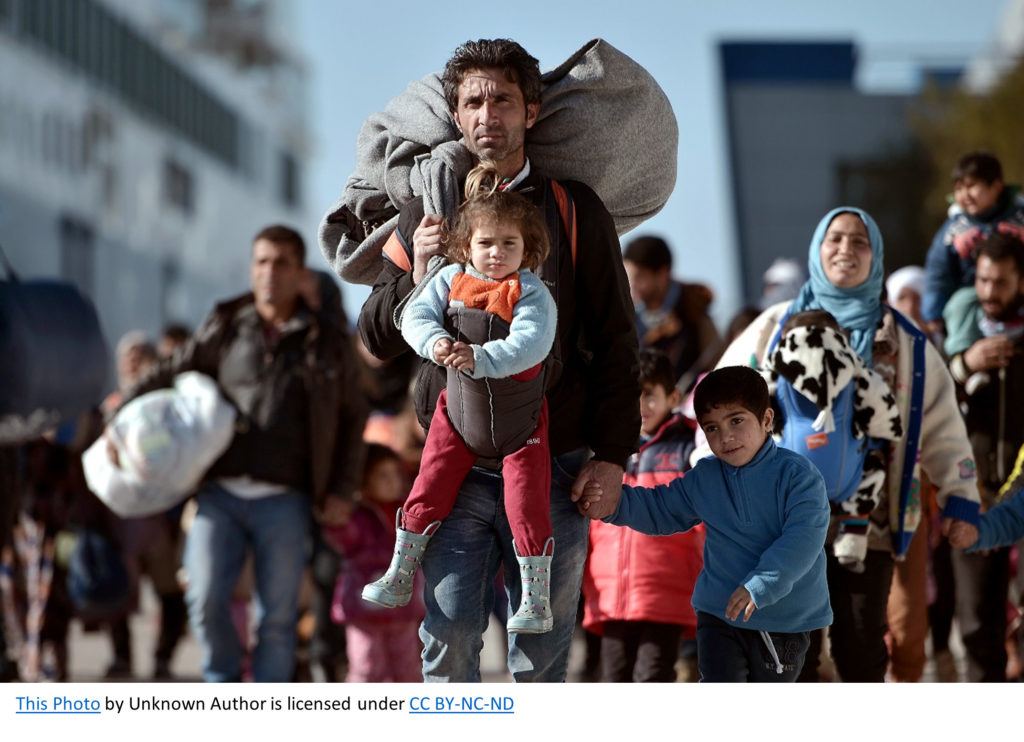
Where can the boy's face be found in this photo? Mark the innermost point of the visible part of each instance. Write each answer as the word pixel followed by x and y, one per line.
pixel 656 405
pixel 976 196
pixel 734 432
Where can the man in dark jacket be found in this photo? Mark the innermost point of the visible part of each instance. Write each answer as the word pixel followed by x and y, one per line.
pixel 493 91
pixel 292 374
pixel 986 348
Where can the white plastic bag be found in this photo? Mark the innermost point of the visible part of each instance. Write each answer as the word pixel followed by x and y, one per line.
pixel 165 440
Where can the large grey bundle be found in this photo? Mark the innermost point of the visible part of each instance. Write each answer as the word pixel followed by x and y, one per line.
pixel 604 121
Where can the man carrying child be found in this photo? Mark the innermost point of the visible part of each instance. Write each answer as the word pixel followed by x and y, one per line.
pixel 493 89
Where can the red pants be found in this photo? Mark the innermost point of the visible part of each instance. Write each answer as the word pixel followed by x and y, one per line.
pixel 526 475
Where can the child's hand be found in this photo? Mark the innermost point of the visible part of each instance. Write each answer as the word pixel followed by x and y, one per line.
pixel 460 358
pixel 740 602
pixel 604 480
pixel 592 493
pixel 961 534
pixel 442 349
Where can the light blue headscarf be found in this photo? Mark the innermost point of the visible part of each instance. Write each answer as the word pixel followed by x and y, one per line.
pixel 858 309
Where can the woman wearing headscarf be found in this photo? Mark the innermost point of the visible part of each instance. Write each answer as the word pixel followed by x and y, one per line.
pixel 846 268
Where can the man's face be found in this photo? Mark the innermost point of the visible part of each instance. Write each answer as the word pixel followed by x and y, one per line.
pixel 646 285
pixel 975 196
pixel 276 274
pixel 998 284
pixel 493 118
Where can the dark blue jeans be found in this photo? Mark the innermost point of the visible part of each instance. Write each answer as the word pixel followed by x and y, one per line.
pixel 728 653
pixel 276 530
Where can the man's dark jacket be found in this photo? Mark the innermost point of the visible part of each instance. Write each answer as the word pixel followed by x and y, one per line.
pixel 301 408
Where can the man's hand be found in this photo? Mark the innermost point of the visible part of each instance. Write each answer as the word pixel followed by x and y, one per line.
pixel 461 357
pixel 426 243
pixel 961 534
pixel 989 353
pixel 336 511
pixel 597 489
pixel 442 349
pixel 740 602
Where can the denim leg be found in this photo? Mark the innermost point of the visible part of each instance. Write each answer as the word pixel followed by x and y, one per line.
pixel 214 555
pixel 544 658
pixel 458 568
pixel 279 532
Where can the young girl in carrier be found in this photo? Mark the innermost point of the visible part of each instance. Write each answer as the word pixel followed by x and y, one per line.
pixel 491 322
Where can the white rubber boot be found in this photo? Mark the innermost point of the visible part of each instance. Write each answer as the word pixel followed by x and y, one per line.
pixel 534 614
pixel 394 589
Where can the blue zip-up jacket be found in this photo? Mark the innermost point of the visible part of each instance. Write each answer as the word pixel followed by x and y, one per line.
pixel 765 530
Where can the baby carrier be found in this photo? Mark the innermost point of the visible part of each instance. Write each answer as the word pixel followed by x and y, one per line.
pixel 833 405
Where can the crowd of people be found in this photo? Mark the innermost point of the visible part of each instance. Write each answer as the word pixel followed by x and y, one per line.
pixel 533 423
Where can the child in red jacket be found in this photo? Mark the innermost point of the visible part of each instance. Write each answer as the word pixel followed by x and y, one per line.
pixel 637 588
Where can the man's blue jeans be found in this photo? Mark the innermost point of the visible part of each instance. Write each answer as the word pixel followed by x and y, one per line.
pixel 276 528
pixel 459 567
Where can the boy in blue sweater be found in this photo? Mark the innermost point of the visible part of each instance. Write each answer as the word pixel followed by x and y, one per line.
pixel 766 515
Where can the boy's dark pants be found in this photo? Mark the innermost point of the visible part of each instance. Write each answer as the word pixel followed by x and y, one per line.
pixel 639 652
pixel 728 653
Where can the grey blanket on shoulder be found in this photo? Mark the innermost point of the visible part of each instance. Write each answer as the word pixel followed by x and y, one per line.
pixel 604 121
